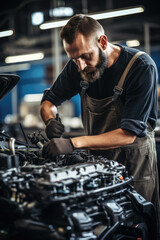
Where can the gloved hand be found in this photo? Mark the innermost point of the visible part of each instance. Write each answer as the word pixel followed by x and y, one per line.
pixel 54 128
pixel 57 146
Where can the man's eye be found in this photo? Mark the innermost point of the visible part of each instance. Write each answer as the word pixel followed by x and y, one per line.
pixel 87 57
pixel 84 57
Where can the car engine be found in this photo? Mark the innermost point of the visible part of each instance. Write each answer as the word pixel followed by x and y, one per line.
pixel 77 196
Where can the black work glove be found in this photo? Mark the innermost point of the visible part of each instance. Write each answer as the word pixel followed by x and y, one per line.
pixel 57 146
pixel 54 128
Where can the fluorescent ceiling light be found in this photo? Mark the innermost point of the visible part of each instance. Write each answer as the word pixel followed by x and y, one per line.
pixel 25 58
pixel 118 13
pixel 61 12
pixel 54 24
pixel 98 16
pixel 37 18
pixel 6 33
pixel 133 43
pixel 15 67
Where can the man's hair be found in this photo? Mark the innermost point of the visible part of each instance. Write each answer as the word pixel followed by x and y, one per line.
pixel 82 24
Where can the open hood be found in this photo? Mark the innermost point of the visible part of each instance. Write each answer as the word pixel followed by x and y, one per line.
pixel 7 82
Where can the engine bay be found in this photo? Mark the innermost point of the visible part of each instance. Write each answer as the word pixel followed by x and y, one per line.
pixel 75 196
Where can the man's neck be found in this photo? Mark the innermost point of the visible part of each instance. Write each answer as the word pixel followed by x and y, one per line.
pixel 113 52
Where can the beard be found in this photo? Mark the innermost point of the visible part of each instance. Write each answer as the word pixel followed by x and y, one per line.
pixel 91 74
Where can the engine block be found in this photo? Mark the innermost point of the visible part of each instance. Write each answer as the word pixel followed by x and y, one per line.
pixel 76 196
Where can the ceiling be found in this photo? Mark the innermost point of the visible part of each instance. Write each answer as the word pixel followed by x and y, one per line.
pixel 16 15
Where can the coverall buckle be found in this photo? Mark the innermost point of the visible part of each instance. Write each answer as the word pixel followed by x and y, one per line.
pixel 117 92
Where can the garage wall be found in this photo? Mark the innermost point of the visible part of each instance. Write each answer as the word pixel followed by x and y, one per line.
pixel 31 81
pixel 35 80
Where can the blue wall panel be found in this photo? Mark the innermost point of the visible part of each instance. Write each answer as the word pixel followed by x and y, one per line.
pixel 156 58
pixel 5 106
pixel 31 81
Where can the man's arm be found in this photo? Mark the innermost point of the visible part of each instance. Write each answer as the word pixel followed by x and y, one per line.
pixel 108 140
pixel 48 110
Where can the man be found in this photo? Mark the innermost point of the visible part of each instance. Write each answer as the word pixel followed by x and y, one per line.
pixel 119 102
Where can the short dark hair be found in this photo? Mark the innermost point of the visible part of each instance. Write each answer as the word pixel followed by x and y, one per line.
pixel 80 23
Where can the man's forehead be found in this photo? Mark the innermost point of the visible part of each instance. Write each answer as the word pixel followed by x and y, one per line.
pixel 80 45
pixel 79 39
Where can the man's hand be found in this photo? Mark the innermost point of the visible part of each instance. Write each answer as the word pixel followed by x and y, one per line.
pixel 54 128
pixel 57 146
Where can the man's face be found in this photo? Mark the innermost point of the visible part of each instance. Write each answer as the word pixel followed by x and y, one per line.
pixel 94 73
pixel 90 59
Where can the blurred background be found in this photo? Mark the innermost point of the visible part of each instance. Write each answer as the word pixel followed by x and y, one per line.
pixel 32 49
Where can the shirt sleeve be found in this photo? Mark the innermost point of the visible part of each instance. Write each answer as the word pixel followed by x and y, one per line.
pixel 140 98
pixel 65 87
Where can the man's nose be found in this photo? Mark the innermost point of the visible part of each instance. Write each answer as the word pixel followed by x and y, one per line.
pixel 81 64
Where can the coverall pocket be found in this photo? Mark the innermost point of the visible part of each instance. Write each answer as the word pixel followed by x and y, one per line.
pixel 139 162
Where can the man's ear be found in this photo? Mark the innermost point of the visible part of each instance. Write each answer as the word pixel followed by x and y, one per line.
pixel 103 41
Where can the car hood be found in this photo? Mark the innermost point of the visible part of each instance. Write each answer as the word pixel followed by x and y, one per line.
pixel 7 82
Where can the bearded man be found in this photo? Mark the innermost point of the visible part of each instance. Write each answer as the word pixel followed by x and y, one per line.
pixel 118 89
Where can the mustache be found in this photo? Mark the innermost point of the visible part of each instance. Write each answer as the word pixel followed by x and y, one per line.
pixel 87 70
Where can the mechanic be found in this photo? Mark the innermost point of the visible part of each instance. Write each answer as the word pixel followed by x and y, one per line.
pixel 118 102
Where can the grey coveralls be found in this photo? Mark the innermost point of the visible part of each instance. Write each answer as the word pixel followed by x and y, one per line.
pixel 103 115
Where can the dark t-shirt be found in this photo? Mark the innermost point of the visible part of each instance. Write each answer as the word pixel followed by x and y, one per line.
pixel 139 96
